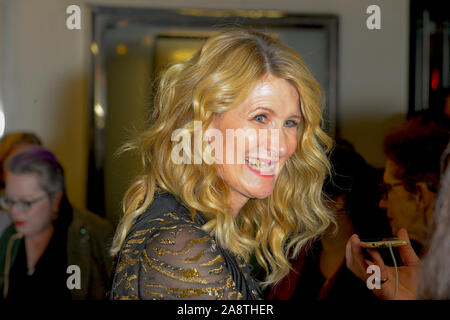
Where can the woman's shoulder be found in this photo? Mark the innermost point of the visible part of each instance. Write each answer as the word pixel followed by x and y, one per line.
pixel 168 255
pixel 167 208
pixel 165 215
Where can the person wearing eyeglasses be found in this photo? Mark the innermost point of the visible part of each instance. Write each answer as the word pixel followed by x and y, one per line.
pixel 415 154
pixel 426 278
pixel 10 143
pixel 411 177
pixel 48 235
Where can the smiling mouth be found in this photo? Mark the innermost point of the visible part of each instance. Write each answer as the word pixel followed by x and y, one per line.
pixel 262 167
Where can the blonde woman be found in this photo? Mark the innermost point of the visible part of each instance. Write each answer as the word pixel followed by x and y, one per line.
pixel 190 226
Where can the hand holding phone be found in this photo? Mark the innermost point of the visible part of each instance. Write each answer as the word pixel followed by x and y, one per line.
pixel 408 274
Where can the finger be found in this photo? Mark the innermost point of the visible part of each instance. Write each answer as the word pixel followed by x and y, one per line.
pixel 356 262
pixel 376 257
pixel 368 262
pixel 407 253
pixel 379 262
pixel 348 254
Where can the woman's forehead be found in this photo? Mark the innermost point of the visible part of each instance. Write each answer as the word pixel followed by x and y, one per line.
pixel 272 92
pixel 23 183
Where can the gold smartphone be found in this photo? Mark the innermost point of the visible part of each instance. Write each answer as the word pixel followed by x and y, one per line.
pixel 383 243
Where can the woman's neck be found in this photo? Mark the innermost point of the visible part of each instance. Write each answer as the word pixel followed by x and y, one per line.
pixel 237 202
pixel 35 246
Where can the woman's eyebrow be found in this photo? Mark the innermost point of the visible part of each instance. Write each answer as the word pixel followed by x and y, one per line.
pixel 271 111
pixel 296 116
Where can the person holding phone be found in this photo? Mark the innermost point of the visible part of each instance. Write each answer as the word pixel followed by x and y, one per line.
pixel 416 279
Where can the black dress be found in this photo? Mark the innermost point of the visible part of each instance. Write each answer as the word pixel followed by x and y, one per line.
pixel 166 255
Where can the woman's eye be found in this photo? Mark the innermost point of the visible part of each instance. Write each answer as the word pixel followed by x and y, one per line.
pixel 291 123
pixel 26 204
pixel 260 118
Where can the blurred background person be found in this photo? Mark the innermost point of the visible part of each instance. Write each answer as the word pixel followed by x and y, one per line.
pixel 320 272
pixel 411 177
pixel 8 145
pixel 426 279
pixel 48 234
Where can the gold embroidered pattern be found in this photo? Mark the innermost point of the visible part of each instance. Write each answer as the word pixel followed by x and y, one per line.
pixel 120 281
pixel 179 292
pixel 217 270
pixel 126 261
pixel 138 241
pixel 143 232
pixel 128 285
pixel 166 241
pixel 170 256
pixel 195 292
pixel 156 294
pixel 170 274
pixel 130 297
pixel 189 273
pixel 195 258
pixel 162 251
pixel 171 215
pixel 217 259
pixel 149 230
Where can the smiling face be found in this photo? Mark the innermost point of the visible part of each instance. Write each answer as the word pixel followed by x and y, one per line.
pixel 39 216
pixel 269 116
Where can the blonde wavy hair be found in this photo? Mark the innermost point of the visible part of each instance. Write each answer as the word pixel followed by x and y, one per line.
pixel 216 79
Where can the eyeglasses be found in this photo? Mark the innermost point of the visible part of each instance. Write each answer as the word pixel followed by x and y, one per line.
pixel 385 188
pixel 22 205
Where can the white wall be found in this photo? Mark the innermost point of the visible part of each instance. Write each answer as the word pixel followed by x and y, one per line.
pixel 45 71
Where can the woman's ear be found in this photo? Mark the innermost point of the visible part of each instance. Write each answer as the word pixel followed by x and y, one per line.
pixel 56 200
pixel 425 197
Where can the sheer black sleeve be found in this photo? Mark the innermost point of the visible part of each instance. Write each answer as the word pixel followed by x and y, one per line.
pixel 172 260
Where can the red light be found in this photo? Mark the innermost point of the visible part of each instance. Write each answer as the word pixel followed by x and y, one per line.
pixel 435 79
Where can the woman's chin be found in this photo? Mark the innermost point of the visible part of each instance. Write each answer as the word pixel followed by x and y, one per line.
pixel 261 193
pixel 262 187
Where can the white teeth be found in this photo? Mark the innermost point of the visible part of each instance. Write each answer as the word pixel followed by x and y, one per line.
pixel 259 165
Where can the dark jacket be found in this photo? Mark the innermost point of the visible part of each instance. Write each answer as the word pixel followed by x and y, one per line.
pixel 88 239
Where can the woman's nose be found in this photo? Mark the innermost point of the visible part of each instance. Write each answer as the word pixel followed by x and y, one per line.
pixel 383 203
pixel 273 143
pixel 282 142
pixel 14 210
